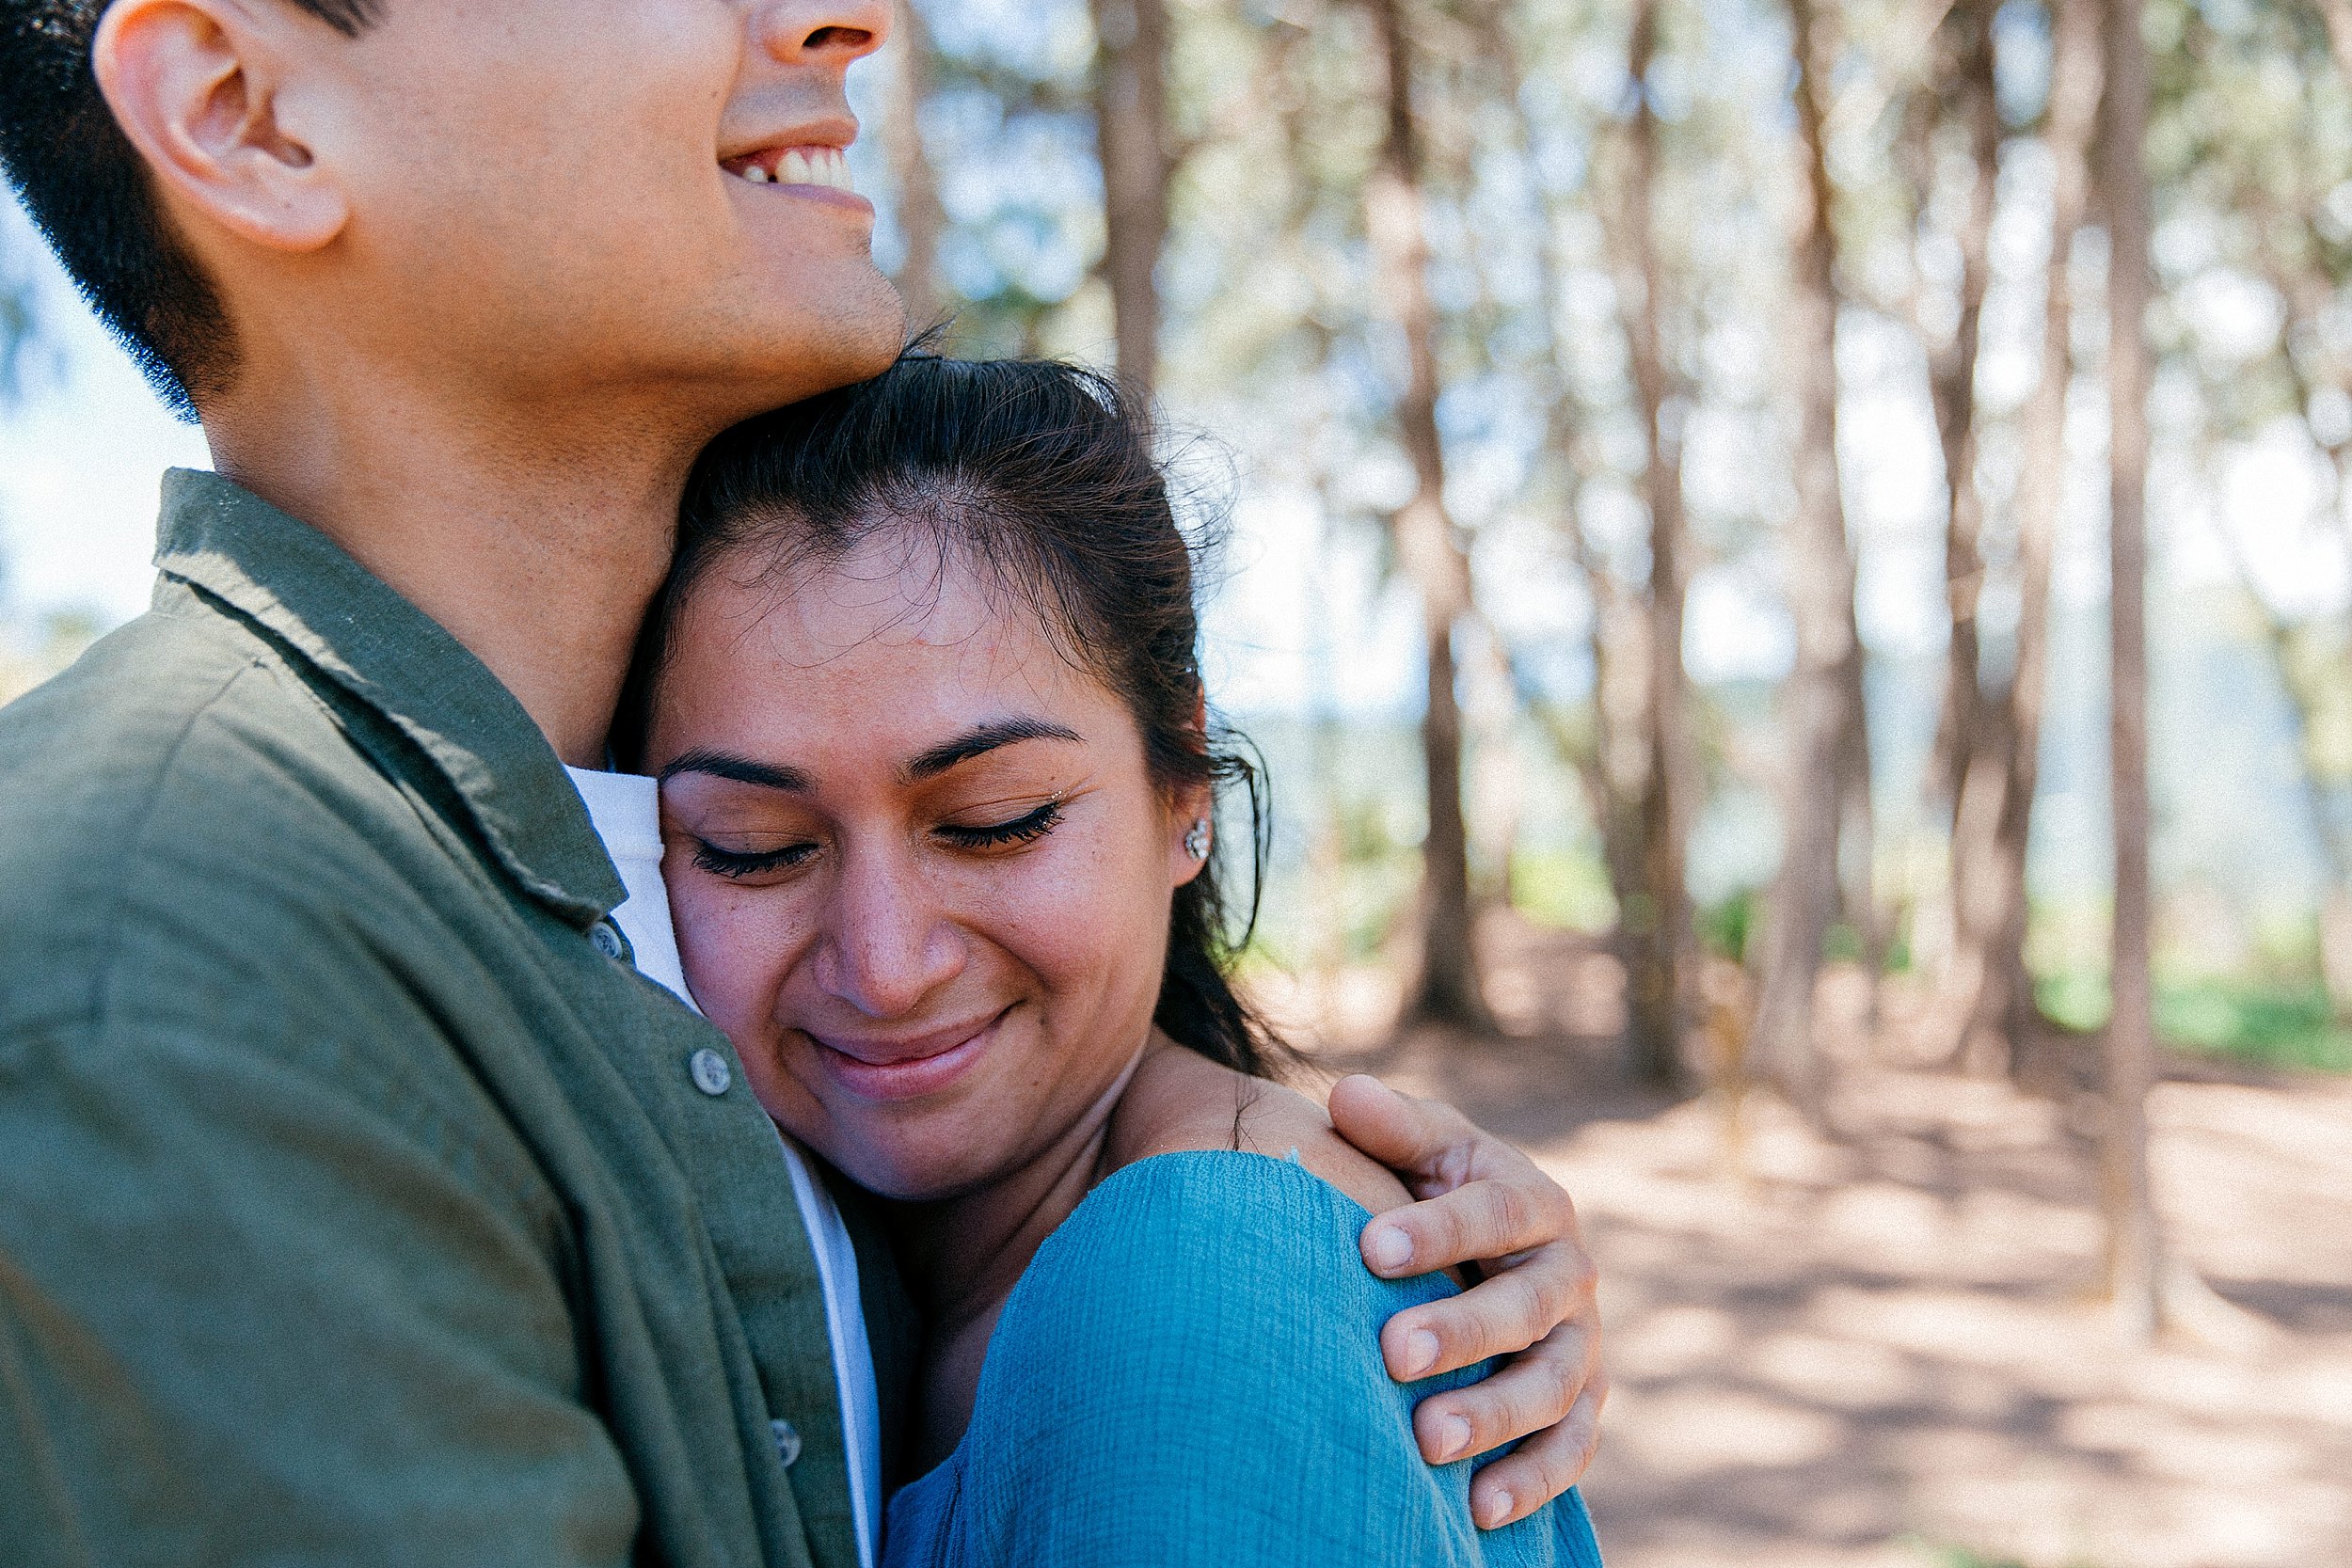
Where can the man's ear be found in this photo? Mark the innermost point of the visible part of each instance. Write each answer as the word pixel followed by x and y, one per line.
pixel 198 89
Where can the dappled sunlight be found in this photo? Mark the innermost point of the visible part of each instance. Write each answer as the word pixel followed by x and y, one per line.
pixel 1880 1344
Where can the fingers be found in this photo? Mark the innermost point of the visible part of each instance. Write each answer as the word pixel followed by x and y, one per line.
pixel 1477 1223
pixel 1534 1391
pixel 1544 1466
pixel 1512 1311
pixel 1412 1137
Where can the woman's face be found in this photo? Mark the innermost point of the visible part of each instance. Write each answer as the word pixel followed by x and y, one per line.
pixel 920 874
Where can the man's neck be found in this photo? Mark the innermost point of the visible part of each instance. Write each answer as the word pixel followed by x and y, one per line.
pixel 537 541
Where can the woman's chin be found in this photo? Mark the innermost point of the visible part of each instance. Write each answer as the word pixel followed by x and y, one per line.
pixel 913 1175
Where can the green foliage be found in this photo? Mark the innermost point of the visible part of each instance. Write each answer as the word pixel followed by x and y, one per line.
pixel 1563 888
pixel 2264 1023
pixel 1944 1554
pixel 16 335
pixel 1725 928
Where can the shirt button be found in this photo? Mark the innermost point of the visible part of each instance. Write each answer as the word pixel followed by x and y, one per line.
pixel 787 1442
pixel 608 941
pixel 711 1073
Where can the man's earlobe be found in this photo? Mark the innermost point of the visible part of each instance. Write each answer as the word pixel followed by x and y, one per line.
pixel 196 86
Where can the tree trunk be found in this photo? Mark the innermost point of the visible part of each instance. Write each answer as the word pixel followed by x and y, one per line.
pixel 1131 138
pixel 1822 691
pixel 1615 764
pixel 2135 1268
pixel 1987 997
pixel 921 219
pixel 1655 924
pixel 1448 986
pixel 1857 832
pixel 1952 382
pixel 2338 15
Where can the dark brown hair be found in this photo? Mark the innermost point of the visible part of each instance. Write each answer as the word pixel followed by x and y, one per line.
pixel 1042 475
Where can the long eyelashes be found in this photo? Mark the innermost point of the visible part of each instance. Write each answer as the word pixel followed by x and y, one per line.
pixel 1020 829
pixel 737 865
pixel 729 862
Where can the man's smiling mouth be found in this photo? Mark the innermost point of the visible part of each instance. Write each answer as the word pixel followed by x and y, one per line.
pixel 825 168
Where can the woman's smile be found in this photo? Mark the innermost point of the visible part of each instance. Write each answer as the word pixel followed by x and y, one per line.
pixel 906 1066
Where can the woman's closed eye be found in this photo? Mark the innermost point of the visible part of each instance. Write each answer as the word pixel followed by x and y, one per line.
pixel 1025 829
pixel 742 862
pixel 738 864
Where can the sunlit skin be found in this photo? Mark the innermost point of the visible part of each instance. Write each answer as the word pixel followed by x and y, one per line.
pixel 937 938
pixel 493 276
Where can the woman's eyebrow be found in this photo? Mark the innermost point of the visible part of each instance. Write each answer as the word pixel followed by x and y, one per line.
pixel 725 764
pixel 984 737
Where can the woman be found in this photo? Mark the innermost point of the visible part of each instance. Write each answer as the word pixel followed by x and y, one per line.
pixel 956 901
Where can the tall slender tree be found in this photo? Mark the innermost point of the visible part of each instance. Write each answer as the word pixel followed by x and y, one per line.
pixel 2135 1263
pixel 1133 142
pixel 1427 544
pixel 2338 16
pixel 1655 923
pixel 1616 756
pixel 1968 91
pixel 1822 697
pixel 922 220
pixel 1988 1002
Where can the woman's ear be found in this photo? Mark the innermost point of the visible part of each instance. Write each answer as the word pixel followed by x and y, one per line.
pixel 1193 813
pixel 1192 818
pixel 198 87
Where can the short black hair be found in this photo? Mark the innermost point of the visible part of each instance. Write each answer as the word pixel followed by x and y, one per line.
pixel 90 194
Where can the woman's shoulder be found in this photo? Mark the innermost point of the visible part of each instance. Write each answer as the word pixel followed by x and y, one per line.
pixel 1180 1102
pixel 1204 1280
pixel 1262 1220
pixel 1189 1374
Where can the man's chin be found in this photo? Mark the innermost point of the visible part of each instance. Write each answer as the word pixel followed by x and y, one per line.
pixel 856 342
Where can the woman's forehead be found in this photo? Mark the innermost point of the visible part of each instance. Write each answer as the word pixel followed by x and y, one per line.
pixel 876 647
pixel 898 581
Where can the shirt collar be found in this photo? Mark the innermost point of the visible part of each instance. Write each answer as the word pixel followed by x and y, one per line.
pixel 352 628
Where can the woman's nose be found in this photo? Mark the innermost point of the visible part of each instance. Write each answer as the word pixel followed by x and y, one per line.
pixel 888 947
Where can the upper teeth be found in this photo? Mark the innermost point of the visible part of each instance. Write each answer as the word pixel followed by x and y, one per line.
pixel 811 165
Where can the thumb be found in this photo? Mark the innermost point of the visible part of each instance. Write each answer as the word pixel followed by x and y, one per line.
pixel 1388 1127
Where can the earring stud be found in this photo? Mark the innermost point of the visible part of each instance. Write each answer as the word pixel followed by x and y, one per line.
pixel 1197 841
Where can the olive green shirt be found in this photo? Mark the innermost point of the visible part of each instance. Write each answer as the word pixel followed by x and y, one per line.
pixel 358 1202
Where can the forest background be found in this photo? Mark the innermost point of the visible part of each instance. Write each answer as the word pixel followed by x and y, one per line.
pixel 1790 563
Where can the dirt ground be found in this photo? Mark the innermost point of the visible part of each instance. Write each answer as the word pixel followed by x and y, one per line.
pixel 1879 1348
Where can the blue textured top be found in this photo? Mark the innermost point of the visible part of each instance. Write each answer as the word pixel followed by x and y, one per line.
pixel 1189 1372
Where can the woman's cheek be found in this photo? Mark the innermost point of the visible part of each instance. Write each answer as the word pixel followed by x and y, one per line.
pixel 1069 920
pixel 1095 931
pixel 723 946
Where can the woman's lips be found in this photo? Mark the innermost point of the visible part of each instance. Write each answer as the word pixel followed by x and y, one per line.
pixel 905 1069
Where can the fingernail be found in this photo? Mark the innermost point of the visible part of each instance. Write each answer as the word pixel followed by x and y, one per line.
pixel 1453 1436
pixel 1421 1352
pixel 1390 1247
pixel 1497 1510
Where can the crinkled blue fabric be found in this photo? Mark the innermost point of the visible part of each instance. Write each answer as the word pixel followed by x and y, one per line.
pixel 1189 1374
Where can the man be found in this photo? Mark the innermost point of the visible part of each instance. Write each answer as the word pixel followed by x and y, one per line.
pixel 359 1199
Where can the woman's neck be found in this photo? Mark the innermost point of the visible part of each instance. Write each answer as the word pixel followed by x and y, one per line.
pixel 964 1255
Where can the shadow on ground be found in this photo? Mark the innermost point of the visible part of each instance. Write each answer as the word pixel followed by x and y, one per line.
pixel 1878 1344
